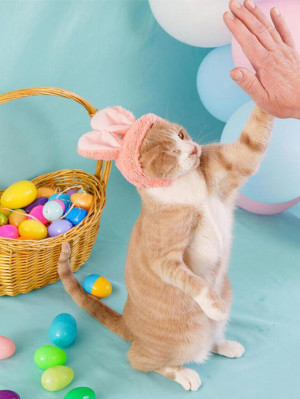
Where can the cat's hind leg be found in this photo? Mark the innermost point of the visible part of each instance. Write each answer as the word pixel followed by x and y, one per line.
pixel 227 348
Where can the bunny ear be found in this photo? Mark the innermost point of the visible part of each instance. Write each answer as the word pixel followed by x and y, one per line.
pixel 113 119
pixel 99 145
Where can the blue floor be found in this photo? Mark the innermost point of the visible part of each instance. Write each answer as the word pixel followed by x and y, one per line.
pixel 265 273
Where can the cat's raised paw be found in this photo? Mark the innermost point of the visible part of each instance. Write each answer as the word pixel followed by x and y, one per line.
pixel 189 379
pixel 212 305
pixel 232 349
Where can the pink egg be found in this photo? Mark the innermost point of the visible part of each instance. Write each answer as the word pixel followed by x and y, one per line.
pixel 9 231
pixel 61 203
pixel 37 213
pixel 7 348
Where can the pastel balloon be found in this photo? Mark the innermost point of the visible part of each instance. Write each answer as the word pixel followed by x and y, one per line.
pixel 3 219
pixel 57 378
pixel 37 213
pixel 32 230
pixel 59 227
pixel 49 356
pixel 52 211
pixel 97 285
pixel 81 393
pixel 7 348
pixel 6 394
pixel 199 23
pixel 76 215
pixel 38 201
pixel 277 179
pixel 63 197
pixel 45 192
pixel 63 330
pixel 9 231
pixel 17 217
pixel 83 200
pixel 290 9
pixel 18 195
pixel 220 95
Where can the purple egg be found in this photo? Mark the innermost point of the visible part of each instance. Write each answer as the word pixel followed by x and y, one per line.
pixel 71 192
pixel 38 201
pixel 8 395
pixel 59 227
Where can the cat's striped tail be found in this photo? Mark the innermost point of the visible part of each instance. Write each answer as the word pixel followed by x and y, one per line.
pixel 107 316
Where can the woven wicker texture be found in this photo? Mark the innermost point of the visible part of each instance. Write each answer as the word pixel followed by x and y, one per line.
pixel 25 264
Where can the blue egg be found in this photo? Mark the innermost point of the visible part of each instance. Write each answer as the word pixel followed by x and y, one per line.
pixel 89 282
pixel 66 199
pixel 52 210
pixel 63 330
pixel 76 215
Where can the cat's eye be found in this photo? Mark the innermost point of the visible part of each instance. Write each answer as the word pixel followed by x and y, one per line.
pixel 181 135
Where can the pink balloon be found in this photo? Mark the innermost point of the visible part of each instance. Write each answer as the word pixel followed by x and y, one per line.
pixel 290 9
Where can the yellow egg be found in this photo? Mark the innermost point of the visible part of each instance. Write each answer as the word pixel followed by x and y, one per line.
pixel 5 211
pixel 32 230
pixel 83 200
pixel 17 217
pixel 18 195
pixel 45 192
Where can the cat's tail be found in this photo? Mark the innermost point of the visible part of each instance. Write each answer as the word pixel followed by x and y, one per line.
pixel 107 316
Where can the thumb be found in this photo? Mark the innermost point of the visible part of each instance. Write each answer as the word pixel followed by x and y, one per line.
pixel 249 82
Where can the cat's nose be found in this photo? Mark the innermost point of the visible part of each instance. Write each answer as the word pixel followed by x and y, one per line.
pixel 194 151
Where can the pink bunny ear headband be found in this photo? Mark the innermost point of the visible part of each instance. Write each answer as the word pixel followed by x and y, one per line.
pixel 116 135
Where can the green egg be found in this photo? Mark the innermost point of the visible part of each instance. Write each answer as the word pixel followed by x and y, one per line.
pixel 49 356
pixel 3 219
pixel 81 393
pixel 56 378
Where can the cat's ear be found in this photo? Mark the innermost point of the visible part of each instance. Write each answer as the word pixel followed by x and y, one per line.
pixel 109 128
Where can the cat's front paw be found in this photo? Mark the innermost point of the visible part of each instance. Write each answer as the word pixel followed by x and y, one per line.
pixel 212 305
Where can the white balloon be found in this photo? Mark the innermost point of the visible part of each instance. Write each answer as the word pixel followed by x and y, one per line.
pixel 196 22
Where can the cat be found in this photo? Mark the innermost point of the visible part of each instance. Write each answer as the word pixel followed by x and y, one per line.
pixel 179 294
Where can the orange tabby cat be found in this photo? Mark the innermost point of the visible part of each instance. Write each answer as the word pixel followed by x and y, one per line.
pixel 179 294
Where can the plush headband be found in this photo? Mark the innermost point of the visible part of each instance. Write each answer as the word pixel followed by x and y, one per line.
pixel 116 135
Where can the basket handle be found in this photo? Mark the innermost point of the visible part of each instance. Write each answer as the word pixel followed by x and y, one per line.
pixel 101 173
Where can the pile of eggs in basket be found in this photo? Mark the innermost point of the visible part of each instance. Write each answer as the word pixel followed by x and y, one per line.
pixel 29 213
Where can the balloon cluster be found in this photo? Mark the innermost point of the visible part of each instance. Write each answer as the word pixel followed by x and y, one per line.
pixel 275 187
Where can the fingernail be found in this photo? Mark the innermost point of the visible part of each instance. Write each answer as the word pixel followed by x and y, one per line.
pixel 236 4
pixel 250 3
pixel 276 11
pixel 238 75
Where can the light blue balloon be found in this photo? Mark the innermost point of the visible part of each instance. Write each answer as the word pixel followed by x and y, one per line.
pixel 278 177
pixel 220 95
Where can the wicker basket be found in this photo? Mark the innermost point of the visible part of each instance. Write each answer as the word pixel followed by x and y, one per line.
pixel 25 264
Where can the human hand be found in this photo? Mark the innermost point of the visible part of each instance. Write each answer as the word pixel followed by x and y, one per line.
pixel 271 50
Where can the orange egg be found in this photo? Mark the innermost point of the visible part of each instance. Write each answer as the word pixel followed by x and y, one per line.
pixel 83 200
pixel 17 217
pixel 45 192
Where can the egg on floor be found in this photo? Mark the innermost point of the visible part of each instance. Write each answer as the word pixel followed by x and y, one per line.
pixel 97 286
pixel 7 348
pixel 81 393
pixel 49 356
pixel 63 330
pixel 57 378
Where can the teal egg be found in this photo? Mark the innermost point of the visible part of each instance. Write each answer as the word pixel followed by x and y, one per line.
pixel 63 330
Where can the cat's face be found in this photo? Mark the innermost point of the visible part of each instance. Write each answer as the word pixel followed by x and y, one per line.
pixel 168 151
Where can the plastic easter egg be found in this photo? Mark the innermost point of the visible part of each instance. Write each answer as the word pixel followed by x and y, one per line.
pixel 33 230
pixel 81 393
pixel 83 200
pixel 97 285
pixel 63 197
pixel 57 378
pixel 76 215
pixel 59 227
pixel 5 211
pixel 6 394
pixel 38 201
pixel 61 203
pixel 7 348
pixel 17 217
pixel 37 213
pixel 72 191
pixel 9 231
pixel 49 356
pixel 3 219
pixel 53 211
pixel 18 195
pixel 45 192
pixel 63 330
